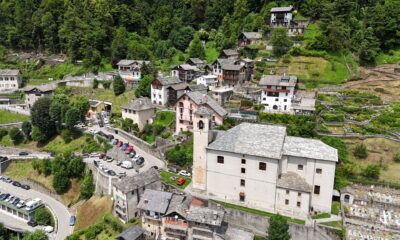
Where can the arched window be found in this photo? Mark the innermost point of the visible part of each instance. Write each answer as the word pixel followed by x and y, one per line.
pixel 181 104
pixel 275 107
pixel 201 124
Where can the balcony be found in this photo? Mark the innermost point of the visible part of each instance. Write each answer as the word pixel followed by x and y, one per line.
pixel 202 234
pixel 172 223
pixel 276 90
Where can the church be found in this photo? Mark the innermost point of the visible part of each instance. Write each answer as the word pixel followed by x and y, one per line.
pixel 259 166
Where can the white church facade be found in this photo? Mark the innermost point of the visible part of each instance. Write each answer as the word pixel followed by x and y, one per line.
pixel 259 166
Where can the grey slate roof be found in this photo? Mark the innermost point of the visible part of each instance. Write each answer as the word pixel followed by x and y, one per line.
pixel 291 180
pixel 9 72
pixel 252 35
pixel 202 99
pixel 179 204
pixel 277 80
pixel 131 233
pixel 231 67
pixel 40 88
pixel 143 103
pixel 203 111
pixel 93 103
pixel 282 9
pixel 198 87
pixel 230 52
pixel 179 86
pixel 167 81
pixel 309 148
pixel 127 62
pixel 205 215
pixel 155 201
pixel 188 67
pixel 129 184
pixel 252 139
pixel 196 61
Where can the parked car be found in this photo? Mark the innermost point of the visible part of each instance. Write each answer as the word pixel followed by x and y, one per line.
pixel 2 158
pixel 184 173
pixel 21 204
pixel 32 223
pixel 111 173
pixel 129 149
pixel 102 134
pixel 94 154
pixel 119 144
pixel 7 179
pixel 127 164
pixel 172 170
pixel 115 141
pixel 25 186
pixel 72 220
pixel 48 229
pixel 102 155
pixel 96 162
pixel 124 146
pixel 122 174
pixel 181 181
pixel 140 161
pixel 110 137
pixel 17 184
pixel 132 154
pixel 23 153
pixel 110 159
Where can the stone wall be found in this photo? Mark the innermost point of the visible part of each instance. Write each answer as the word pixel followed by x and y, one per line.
pixel 259 225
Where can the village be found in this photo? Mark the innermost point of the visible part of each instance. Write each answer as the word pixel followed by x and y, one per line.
pixel 204 148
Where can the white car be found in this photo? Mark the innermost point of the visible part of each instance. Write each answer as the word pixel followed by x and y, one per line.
pixel 184 173
pixel 48 229
pixel 94 155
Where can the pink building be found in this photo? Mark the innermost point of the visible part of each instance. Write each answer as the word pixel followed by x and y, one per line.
pixel 189 102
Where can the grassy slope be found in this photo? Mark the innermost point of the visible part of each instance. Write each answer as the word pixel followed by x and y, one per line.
pixel 57 145
pixel 106 95
pixel 392 57
pixel 19 170
pixel 211 52
pixel 92 211
pixel 9 117
pixel 379 149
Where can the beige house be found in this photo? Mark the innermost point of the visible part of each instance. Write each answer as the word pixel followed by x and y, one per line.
pixel 32 94
pixel 259 166
pixel 140 110
pixel 10 79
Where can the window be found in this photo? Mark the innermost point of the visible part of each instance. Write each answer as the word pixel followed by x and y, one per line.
pixel 276 99
pixel 243 161
pixel 285 107
pixel 286 201
pixel 264 99
pixel 299 204
pixel 180 121
pixel 300 167
pixel 287 191
pixel 242 182
pixel 285 100
pixel 220 159
pixel 243 170
pixel 242 197
pixel 299 194
pixel 200 124
pixel 318 170
pixel 262 166
pixel 317 189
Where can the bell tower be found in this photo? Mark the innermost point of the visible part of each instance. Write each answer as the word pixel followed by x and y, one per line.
pixel 201 137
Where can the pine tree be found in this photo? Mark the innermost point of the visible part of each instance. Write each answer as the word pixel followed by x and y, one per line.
pixel 119 86
pixel 278 228
pixel 196 49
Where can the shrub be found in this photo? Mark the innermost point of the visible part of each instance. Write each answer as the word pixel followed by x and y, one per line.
pixel 61 182
pixel 66 135
pixel 95 83
pixel 372 171
pixel 396 158
pixel 165 135
pixel 361 151
pixel 3 133
pixel 44 217
pixel 16 135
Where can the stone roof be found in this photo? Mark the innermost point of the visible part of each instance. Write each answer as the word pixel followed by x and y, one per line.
pixel 40 88
pixel 230 52
pixel 129 184
pixel 196 61
pixel 203 99
pixel 142 103
pixel 203 111
pixel 205 215
pixel 131 233
pixel 309 148
pixel 252 139
pixel 155 201
pixel 252 35
pixel 179 86
pixel 282 9
pixel 277 80
pixel 94 103
pixel 179 204
pixel 127 62
pixel 167 81
pixel 307 104
pixel 231 67
pixel 198 87
pixel 187 67
pixel 291 180
pixel 9 72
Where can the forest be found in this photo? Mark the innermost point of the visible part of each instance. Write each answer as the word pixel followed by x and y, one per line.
pixel 159 29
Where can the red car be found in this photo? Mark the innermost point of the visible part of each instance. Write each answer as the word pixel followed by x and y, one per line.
pixel 129 149
pixel 119 144
pixel 181 181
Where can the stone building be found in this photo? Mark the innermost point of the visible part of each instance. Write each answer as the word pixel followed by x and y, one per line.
pixel 33 93
pixel 10 79
pixel 259 166
pixel 159 89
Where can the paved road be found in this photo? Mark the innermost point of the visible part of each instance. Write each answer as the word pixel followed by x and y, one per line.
pixel 61 211
pixel 14 223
